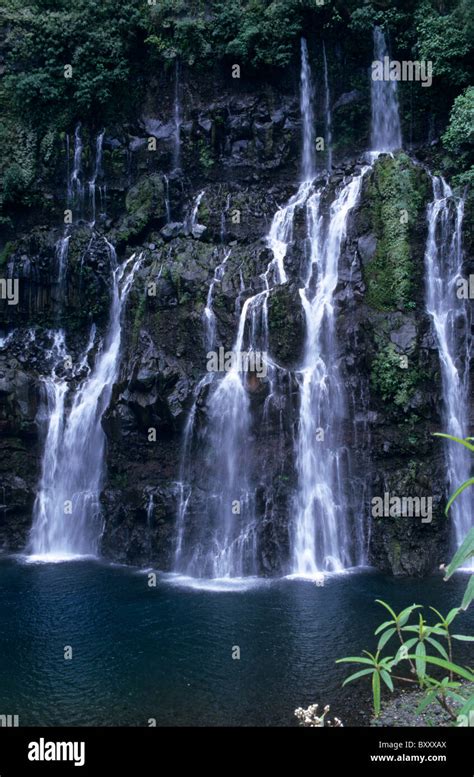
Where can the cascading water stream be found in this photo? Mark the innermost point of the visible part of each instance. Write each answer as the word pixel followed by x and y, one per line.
pixel 226 546
pixel 97 173
pixel 66 515
pixel 62 250
pixel 386 131
pixel 327 111
pixel 192 219
pixel 450 321
pixel 74 195
pixel 307 115
pixel 76 188
pixel 209 316
pixel 320 539
pixel 327 529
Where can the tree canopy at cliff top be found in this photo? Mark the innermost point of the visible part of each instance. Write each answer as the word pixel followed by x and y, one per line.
pixel 113 48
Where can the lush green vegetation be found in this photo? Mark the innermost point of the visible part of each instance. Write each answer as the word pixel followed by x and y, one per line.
pixel 459 136
pixel 101 42
pixel 107 44
pixel 391 379
pixel 94 62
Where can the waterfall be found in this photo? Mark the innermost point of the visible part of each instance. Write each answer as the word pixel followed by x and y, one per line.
pixel 96 174
pixel 177 122
pixel 66 514
pixel 306 108
pixel 281 231
pixel 75 188
pixel 225 544
pixel 224 212
pixel 62 249
pixel 386 132
pixel 195 211
pixel 450 321
pixel 321 537
pixel 209 315
pixel 149 519
pixel 327 111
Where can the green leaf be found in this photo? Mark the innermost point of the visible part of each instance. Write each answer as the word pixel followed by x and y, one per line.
pixel 460 670
pixel 405 614
pixel 465 551
pixel 402 652
pixel 442 619
pixel 385 638
pixel 429 699
pixel 438 647
pixel 462 637
pixel 355 660
pixel 468 706
pixel 468 594
pixel 442 631
pixel 387 607
pixel 458 491
pixel 376 692
pixel 460 440
pixel 420 656
pixel 356 675
pixel 383 626
pixel 386 678
pixel 452 614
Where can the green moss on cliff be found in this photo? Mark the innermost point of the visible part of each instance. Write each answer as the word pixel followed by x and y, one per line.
pixel 391 379
pixel 145 203
pixel 398 191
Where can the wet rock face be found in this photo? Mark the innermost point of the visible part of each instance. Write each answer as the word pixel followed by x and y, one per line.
pixel 19 452
pixel 243 152
pixel 286 325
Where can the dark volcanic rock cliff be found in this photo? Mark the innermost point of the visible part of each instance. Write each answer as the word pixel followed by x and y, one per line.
pixel 241 150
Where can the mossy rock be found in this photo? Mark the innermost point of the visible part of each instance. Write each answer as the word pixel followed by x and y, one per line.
pixel 146 196
pixel 145 202
pixel 394 376
pixel 397 193
pixel 286 326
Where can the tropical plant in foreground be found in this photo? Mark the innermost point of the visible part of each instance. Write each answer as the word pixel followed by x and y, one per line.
pixel 466 442
pixel 417 646
pixel 466 551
